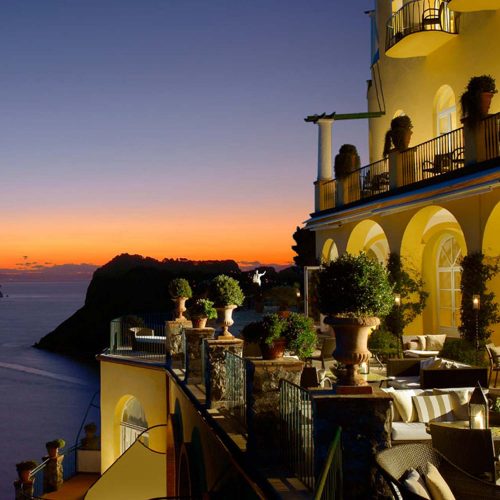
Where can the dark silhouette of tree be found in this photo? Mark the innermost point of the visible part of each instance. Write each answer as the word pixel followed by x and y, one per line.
pixel 305 248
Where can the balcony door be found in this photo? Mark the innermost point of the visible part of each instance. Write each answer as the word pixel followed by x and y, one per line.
pixel 133 424
pixel 448 285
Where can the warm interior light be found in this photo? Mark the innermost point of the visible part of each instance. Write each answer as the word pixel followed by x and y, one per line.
pixel 397 299
pixel 478 409
pixel 476 301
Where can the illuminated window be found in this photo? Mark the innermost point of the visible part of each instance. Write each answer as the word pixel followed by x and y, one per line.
pixel 445 110
pixel 133 423
pixel 448 284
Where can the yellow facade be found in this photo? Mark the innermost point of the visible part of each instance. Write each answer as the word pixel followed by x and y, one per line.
pixel 431 225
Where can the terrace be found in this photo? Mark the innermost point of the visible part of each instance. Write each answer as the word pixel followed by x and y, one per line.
pixel 450 156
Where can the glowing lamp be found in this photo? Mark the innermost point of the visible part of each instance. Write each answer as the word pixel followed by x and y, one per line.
pixel 364 368
pixel 298 294
pixel 476 302
pixel 478 409
pixel 397 299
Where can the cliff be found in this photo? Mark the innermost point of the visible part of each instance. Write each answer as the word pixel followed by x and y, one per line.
pixel 127 284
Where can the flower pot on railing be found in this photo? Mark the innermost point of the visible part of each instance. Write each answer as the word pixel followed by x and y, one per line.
pixel 53 470
pixel 24 486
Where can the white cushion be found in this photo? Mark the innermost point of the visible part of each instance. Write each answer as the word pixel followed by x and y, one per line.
pixel 415 483
pixel 405 383
pixel 404 404
pixel 422 340
pixel 416 353
pixel 460 397
pixel 434 342
pixel 436 484
pixel 434 407
pixel 409 431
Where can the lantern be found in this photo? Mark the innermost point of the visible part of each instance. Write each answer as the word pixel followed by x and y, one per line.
pixel 476 302
pixel 364 368
pixel 397 299
pixel 478 409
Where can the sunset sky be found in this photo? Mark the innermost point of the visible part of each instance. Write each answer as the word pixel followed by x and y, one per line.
pixel 170 128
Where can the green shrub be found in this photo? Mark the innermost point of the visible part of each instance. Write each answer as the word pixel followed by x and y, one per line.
pixel 56 443
pixel 463 351
pixel 203 308
pixel 470 100
pixel 226 291
pixel 300 334
pixel 354 287
pixel 179 287
pixel 382 340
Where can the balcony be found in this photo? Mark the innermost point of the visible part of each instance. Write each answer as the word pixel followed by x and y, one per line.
pixel 473 5
pixel 419 28
pixel 444 157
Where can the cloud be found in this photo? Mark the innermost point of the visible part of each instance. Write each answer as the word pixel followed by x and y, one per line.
pixel 33 271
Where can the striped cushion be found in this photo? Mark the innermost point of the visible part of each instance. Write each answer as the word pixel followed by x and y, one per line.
pixel 433 407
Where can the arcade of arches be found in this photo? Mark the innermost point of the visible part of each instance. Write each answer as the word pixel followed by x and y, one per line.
pixel 432 241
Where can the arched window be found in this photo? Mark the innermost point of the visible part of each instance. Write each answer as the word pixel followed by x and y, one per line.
pixel 445 110
pixel 448 284
pixel 133 423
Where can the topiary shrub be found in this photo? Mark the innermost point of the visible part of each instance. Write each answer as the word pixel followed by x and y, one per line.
pixel 226 291
pixel 354 287
pixel 399 134
pixel 179 287
pixel 56 443
pixel 463 351
pixel 346 161
pixel 470 100
pixel 382 340
pixel 300 334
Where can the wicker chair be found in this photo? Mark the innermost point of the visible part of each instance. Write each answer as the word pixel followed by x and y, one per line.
pixel 494 364
pixel 394 462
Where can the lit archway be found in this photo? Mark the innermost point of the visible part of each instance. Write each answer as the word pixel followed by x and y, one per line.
pixel 133 423
pixel 433 244
pixel 369 237
pixel 491 250
pixel 329 251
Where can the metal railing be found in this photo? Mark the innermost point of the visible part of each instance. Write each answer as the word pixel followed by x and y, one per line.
pixel 296 432
pixel 327 195
pixel 438 156
pixel 417 16
pixel 235 397
pixel 367 181
pixel 69 470
pixel 139 336
pixel 330 481
pixel 492 136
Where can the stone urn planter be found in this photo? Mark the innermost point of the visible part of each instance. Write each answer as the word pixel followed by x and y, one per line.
pixel 351 349
pixel 476 99
pixel 180 308
pixel 199 322
pixel 225 320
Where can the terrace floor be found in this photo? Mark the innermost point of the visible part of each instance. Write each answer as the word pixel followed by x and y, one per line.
pixel 74 488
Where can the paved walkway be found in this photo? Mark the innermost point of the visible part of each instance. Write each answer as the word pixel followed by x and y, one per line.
pixel 74 488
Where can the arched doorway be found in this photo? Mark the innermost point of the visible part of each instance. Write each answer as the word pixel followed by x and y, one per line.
pixel 133 423
pixel 329 251
pixel 369 237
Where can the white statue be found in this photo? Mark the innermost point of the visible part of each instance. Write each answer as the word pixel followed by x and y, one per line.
pixel 256 277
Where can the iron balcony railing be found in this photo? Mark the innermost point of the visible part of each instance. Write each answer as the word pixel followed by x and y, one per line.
pixel 296 432
pixel 327 195
pixel 367 181
pixel 438 156
pixel 492 137
pixel 417 16
pixel 235 398
pixel 140 336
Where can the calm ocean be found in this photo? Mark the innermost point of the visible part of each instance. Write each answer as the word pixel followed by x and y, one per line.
pixel 43 395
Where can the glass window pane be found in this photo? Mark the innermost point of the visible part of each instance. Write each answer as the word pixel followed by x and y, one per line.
pixel 444 299
pixel 445 317
pixel 444 280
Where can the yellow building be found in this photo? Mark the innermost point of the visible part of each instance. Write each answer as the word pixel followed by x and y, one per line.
pixel 438 200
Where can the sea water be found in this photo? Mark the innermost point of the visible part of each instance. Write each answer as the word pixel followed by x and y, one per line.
pixel 43 396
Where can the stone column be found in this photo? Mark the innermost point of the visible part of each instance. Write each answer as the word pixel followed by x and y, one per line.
pixel 366 429
pixel 324 159
pixel 215 368
pixel 173 332
pixel 474 142
pixel 194 360
pixel 263 381
pixel 53 474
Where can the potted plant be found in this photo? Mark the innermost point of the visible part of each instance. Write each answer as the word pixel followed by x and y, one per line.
pixel 476 99
pixel 275 333
pixel 180 291
pixel 346 161
pixel 399 134
pixel 54 446
pixel 201 311
pixel 25 484
pixel 227 296
pixel 353 292
pixel 269 334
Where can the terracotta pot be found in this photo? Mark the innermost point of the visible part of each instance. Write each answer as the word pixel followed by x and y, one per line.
pixel 485 103
pixel 180 308
pixel 53 452
pixel 351 349
pixel 199 322
pixel 24 476
pixel 283 313
pixel 274 350
pixel 225 320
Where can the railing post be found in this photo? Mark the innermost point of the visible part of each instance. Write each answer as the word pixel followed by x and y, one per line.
pixel 263 396
pixel 366 429
pixel 215 368
pixel 340 192
pixel 173 334
pixel 194 339
pixel 395 169
pixel 474 142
